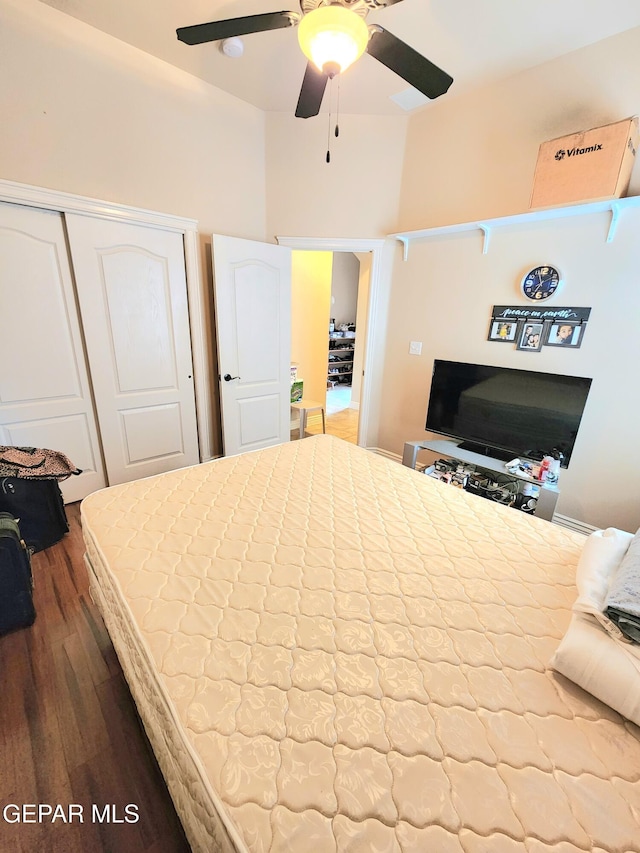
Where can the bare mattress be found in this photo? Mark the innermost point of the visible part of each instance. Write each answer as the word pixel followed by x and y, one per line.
pixel 331 652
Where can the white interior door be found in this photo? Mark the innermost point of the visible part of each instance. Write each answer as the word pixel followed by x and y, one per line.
pixel 45 398
pixel 253 329
pixel 133 300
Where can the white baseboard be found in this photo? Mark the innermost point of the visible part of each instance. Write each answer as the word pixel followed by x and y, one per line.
pixel 395 457
pixel 574 524
pixel 355 406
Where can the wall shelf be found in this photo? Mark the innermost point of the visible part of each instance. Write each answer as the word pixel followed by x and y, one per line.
pixel 614 206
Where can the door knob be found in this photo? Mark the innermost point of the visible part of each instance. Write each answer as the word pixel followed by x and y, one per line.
pixel 228 377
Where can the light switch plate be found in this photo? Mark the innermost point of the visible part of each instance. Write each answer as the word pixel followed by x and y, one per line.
pixel 415 348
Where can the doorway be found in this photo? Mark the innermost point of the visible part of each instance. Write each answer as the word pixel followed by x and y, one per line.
pixel 380 253
pixel 247 268
pixel 330 294
pixel 349 312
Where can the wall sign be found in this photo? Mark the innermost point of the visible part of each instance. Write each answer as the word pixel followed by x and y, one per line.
pixel 532 328
pixel 540 313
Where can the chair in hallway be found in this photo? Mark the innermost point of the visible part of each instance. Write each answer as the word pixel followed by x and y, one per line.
pixel 304 407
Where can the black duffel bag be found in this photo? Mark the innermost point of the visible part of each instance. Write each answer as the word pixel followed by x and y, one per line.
pixel 29 490
pixel 39 507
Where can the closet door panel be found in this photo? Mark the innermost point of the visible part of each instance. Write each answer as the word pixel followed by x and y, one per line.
pixel 140 321
pixel 45 397
pixel 133 299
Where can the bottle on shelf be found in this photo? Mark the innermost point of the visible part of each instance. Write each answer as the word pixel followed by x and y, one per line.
pixel 545 465
pixel 554 467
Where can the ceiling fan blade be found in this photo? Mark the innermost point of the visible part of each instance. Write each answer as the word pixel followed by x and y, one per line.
pixel 216 30
pixel 408 63
pixel 313 85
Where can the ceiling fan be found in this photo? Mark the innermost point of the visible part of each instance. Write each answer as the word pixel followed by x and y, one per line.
pixel 332 35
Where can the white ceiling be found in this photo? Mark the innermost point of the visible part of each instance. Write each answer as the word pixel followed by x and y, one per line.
pixel 476 41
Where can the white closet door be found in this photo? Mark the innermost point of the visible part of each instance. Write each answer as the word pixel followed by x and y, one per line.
pixel 132 291
pixel 45 400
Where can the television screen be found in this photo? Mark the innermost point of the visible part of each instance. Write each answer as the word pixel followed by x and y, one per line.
pixel 504 412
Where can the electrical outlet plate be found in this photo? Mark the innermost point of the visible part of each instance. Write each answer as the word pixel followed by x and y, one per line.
pixel 415 348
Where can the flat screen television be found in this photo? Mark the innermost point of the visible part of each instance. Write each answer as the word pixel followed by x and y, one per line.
pixel 504 412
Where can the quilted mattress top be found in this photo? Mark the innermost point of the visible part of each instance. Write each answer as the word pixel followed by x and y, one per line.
pixel 357 656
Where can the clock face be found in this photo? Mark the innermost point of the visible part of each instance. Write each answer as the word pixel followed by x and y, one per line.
pixel 540 283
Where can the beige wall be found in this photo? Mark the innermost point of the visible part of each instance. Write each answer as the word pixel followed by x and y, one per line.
pixel 356 195
pixel 344 287
pixel 310 299
pixel 474 157
pixel 87 114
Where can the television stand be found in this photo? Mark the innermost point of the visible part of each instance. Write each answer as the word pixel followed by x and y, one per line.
pixel 547 498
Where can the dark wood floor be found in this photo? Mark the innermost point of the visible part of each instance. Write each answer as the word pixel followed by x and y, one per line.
pixel 69 731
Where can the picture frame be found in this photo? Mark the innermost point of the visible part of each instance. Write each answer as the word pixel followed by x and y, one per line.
pixel 530 337
pixel 564 334
pixel 503 330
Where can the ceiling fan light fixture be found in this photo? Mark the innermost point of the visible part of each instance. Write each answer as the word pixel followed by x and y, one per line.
pixel 332 36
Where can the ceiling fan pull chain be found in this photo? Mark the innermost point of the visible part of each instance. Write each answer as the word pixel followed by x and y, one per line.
pixel 337 130
pixel 328 158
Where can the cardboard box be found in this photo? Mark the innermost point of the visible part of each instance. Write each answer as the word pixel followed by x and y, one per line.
pixel 585 166
pixel 296 391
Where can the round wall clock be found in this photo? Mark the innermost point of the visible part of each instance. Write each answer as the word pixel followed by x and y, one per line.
pixel 541 283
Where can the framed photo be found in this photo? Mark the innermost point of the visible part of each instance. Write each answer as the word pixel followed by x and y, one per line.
pixel 501 330
pixel 530 337
pixel 564 335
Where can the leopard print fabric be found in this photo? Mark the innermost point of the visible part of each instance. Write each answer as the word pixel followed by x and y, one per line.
pixel 33 463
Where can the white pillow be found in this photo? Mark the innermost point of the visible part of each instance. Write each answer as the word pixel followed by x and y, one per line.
pixel 602 554
pixel 607 669
pixel 591 653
